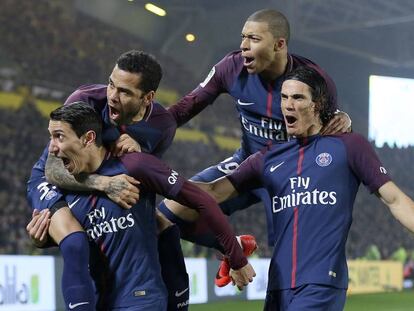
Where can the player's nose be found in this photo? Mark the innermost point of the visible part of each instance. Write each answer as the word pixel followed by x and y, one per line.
pixel 244 44
pixel 53 148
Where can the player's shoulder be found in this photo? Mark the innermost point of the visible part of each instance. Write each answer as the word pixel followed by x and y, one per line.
pixel 159 115
pixel 89 93
pixel 353 136
pixel 140 162
pixel 298 60
pixel 232 61
pixel 158 109
pixel 352 140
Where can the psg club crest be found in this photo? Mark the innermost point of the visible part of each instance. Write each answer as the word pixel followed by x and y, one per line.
pixel 324 159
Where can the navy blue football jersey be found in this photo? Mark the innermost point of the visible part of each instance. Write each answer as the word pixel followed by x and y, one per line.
pixel 257 102
pixel 312 184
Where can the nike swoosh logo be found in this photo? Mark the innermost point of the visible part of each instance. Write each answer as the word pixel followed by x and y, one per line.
pixel 243 103
pixel 75 305
pixel 274 167
pixel 72 205
pixel 178 294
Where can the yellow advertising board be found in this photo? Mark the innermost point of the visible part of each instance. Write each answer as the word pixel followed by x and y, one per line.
pixel 374 276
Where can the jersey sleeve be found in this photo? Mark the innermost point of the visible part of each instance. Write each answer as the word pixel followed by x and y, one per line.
pixel 249 174
pixel 157 177
pixel 153 174
pixel 194 198
pixel 364 161
pixel 219 80
pixel 41 194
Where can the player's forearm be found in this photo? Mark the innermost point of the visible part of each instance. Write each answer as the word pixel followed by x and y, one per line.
pixel 58 175
pixel 400 205
pixel 189 106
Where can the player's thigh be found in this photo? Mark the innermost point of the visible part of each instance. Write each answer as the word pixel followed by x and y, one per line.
pixel 159 305
pixel 62 224
pixel 225 168
pixel 315 297
pixel 309 297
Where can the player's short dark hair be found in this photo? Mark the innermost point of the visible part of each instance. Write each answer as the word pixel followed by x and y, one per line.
pixel 276 21
pixel 139 62
pixel 82 117
pixel 319 91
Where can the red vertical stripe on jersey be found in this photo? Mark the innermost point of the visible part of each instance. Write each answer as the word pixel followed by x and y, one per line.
pixel 295 223
pixel 269 106
pixel 294 246
pixel 269 100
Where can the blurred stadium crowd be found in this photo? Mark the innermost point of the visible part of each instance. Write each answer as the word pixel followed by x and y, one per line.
pixel 48 50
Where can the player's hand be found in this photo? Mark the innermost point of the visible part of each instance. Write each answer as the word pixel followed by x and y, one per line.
pixel 125 144
pixel 243 276
pixel 341 123
pixel 38 227
pixel 122 189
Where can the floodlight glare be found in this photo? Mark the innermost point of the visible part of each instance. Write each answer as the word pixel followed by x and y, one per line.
pixel 155 9
pixel 190 37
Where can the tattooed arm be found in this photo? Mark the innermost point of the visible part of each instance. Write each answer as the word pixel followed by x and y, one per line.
pixel 122 189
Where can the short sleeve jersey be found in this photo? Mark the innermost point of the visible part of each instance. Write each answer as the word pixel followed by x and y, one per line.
pixel 312 183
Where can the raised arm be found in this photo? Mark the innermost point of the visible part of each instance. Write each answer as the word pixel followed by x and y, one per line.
pixel 218 81
pixel 400 205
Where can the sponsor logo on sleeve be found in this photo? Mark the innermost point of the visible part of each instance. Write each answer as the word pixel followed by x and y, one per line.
pixel 208 78
pixel 172 179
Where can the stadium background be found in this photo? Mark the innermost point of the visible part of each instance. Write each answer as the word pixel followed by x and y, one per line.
pixel 48 48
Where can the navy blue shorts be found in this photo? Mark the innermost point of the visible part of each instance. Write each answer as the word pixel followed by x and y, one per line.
pixel 308 297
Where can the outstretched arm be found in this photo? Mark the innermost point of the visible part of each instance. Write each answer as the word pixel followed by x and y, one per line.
pixel 221 190
pixel 400 205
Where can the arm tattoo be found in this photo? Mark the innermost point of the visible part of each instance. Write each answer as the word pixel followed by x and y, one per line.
pixel 57 174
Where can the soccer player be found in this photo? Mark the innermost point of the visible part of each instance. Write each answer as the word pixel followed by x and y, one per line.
pixel 130 117
pixel 312 181
pixel 124 257
pixel 253 77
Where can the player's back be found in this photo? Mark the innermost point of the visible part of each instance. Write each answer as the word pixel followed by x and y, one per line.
pixel 155 132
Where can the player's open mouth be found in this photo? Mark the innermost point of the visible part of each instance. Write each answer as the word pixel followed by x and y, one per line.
pixel 248 61
pixel 113 113
pixel 290 120
pixel 66 162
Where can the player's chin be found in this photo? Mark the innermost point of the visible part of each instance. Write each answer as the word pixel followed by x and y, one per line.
pixel 251 70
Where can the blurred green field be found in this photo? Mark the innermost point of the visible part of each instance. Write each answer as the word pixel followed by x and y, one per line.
pixel 403 301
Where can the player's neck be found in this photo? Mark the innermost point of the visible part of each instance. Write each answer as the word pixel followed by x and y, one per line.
pixel 96 157
pixel 276 69
pixel 141 114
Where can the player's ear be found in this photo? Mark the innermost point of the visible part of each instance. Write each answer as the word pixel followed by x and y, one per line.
pixel 149 97
pixel 89 138
pixel 280 44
